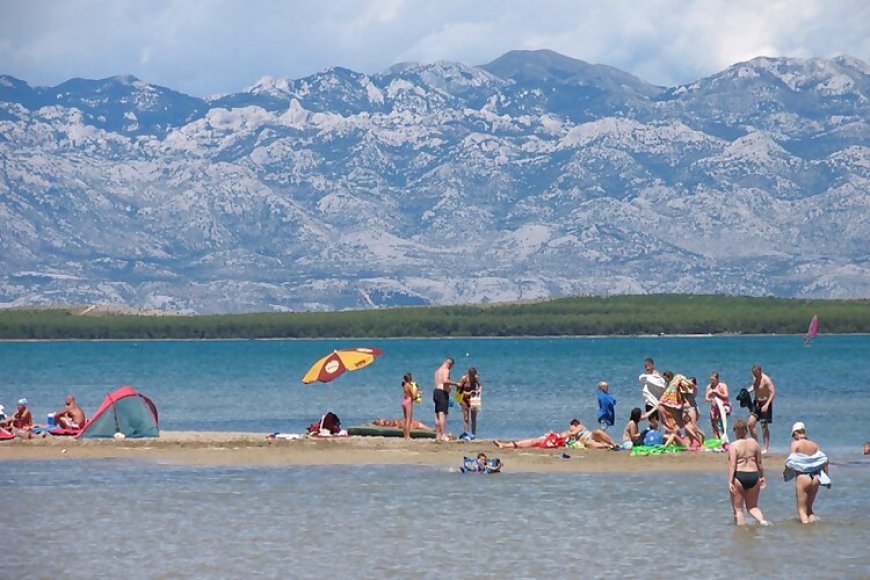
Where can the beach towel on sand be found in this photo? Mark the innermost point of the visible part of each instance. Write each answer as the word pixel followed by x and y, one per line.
pixel 59 431
pixel 645 450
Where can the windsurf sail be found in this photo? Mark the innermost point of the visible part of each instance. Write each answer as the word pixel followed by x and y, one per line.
pixel 813 330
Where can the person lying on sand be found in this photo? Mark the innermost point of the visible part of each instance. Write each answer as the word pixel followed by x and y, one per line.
pixel 400 424
pixel 596 439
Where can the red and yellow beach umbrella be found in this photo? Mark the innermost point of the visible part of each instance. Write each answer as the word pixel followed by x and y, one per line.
pixel 339 361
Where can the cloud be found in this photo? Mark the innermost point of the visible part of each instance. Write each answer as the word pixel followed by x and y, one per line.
pixel 209 46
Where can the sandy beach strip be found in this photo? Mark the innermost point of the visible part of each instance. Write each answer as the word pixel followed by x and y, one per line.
pixel 254 449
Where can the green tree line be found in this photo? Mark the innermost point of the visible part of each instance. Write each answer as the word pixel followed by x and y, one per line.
pixel 577 316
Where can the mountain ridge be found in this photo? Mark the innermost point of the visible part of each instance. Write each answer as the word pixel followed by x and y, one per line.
pixel 435 184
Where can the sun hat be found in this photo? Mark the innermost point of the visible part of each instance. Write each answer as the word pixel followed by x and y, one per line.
pixel 798 427
pixel 22 401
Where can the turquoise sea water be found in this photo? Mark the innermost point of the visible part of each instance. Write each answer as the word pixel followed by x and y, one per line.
pixel 149 520
pixel 531 385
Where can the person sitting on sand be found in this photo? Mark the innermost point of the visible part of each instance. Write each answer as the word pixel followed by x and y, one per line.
pixel 400 424
pixel 632 433
pixel 21 422
pixel 71 416
pixel 694 433
pixel 577 431
pixel 597 439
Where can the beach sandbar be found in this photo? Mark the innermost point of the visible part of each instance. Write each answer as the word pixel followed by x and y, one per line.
pixel 233 448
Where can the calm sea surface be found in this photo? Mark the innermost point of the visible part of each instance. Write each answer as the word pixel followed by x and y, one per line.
pixel 143 520
pixel 531 385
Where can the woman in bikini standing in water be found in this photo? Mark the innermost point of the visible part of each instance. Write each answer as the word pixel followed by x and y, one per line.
pixel 745 475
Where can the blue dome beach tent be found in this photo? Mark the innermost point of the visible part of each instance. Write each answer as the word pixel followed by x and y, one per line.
pixel 124 411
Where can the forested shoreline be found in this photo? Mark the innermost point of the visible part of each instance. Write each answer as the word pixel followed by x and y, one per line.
pixel 576 316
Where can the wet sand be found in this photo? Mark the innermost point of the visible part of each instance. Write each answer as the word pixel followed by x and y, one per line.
pixel 254 449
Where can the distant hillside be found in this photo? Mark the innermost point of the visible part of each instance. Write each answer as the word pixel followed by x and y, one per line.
pixel 617 315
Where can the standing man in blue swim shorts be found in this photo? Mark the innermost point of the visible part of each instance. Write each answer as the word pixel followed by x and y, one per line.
pixel 762 405
pixel 441 397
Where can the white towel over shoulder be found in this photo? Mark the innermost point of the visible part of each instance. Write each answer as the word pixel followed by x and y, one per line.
pixel 653 388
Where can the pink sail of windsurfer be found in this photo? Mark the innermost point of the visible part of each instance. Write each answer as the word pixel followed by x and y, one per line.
pixel 813 330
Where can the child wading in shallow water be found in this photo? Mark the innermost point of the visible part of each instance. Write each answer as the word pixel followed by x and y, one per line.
pixel 486 466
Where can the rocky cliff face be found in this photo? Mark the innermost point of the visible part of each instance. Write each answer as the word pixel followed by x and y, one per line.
pixel 532 176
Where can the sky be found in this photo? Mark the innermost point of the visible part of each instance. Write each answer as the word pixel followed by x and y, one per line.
pixel 208 47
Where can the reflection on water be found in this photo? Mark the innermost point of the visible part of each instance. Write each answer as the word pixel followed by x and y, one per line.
pixel 159 521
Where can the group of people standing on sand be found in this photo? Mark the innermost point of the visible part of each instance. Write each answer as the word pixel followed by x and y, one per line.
pixel 469 390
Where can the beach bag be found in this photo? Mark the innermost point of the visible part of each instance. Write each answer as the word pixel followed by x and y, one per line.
pixel 474 402
pixel 744 398
pixel 329 422
pixel 653 437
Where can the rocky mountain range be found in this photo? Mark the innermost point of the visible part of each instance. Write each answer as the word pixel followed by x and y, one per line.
pixel 533 176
